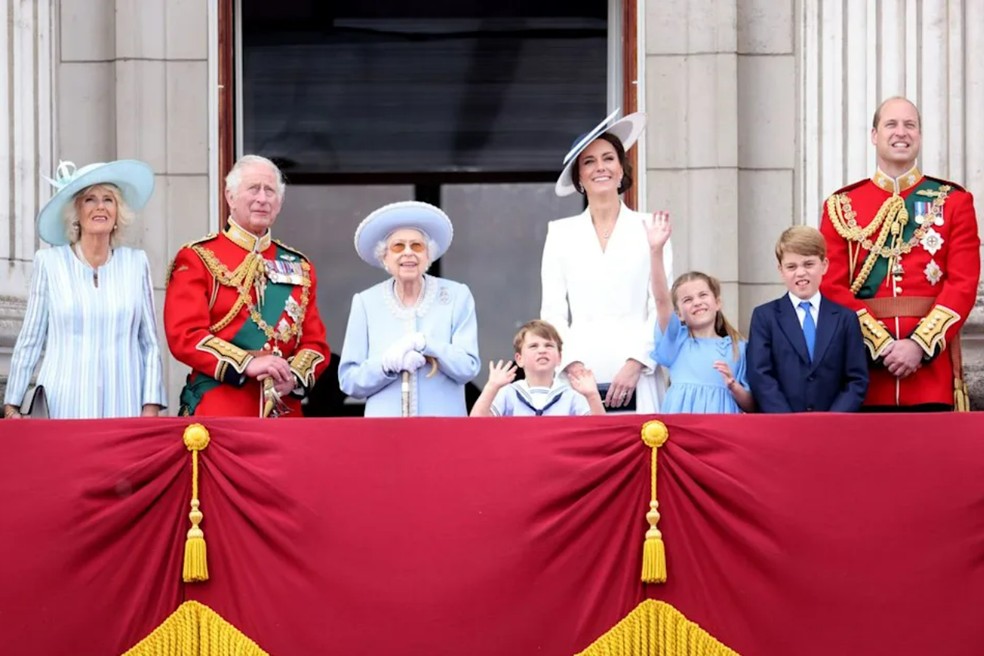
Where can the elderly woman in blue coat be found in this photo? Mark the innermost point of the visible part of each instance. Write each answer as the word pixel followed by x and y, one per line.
pixel 412 340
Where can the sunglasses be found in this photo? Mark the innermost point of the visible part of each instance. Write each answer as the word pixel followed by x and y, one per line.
pixel 400 246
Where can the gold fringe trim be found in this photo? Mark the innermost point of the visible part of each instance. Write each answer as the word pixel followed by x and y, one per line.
pixel 654 434
pixel 195 630
pixel 196 438
pixel 655 628
pixel 961 398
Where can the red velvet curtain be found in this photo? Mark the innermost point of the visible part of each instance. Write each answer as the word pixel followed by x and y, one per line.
pixel 801 535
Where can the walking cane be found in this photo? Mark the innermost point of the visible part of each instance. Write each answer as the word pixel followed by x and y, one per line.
pixel 405 389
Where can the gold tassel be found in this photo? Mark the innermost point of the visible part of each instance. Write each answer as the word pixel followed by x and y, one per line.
pixel 195 561
pixel 654 434
pixel 961 399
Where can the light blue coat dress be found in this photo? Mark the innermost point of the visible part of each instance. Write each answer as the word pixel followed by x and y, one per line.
pixel 101 355
pixel 445 314
pixel 695 385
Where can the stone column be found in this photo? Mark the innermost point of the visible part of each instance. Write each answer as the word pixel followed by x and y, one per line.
pixel 691 156
pixel 854 54
pixel 721 153
pixel 26 98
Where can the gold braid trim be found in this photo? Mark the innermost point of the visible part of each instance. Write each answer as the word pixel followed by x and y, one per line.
pixel 303 363
pixel 892 218
pixel 195 628
pixel 930 333
pixel 248 274
pixel 875 336
pixel 655 628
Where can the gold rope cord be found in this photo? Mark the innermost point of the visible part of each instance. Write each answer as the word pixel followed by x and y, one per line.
pixel 244 279
pixel 654 435
pixel 655 628
pixel 195 630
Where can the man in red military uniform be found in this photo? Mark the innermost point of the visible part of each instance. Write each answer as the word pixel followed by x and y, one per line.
pixel 905 255
pixel 241 309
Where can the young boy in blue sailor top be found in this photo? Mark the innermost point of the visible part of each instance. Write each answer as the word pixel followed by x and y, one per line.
pixel 538 348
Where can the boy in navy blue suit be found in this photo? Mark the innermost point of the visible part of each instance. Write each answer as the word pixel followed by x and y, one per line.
pixel 805 352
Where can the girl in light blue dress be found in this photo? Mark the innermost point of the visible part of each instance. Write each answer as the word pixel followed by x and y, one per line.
pixel 704 354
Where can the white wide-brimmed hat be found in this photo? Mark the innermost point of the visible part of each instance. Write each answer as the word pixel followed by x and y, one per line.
pixel 381 223
pixel 627 129
pixel 135 180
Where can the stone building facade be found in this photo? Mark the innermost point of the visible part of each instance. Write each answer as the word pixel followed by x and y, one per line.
pixel 758 109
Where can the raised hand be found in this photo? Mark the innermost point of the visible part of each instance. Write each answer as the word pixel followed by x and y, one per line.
pixel 658 229
pixel 584 382
pixel 501 373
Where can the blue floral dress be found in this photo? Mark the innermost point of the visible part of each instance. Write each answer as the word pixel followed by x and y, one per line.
pixel 695 385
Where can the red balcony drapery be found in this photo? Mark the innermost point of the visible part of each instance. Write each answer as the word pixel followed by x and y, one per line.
pixel 784 535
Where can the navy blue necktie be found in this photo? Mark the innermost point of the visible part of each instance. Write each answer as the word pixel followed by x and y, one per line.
pixel 539 413
pixel 809 328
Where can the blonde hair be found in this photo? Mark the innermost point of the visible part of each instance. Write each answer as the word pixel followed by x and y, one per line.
pixel 722 327
pixel 124 215
pixel 801 240
pixel 539 328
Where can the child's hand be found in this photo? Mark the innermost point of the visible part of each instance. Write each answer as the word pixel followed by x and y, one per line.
pixel 501 373
pixel 658 230
pixel 725 371
pixel 584 383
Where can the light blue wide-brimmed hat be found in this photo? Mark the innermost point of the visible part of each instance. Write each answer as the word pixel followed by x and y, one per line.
pixel 381 223
pixel 627 129
pixel 134 179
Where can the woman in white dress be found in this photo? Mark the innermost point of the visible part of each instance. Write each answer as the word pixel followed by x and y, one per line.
pixel 91 304
pixel 595 272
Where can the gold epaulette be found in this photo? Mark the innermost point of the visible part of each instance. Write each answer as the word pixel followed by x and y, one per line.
pixel 850 187
pixel 949 183
pixel 170 268
pixel 930 332
pixel 876 336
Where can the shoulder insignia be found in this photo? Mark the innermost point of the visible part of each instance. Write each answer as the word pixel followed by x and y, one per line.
pixel 170 269
pixel 851 187
pixel 292 250
pixel 209 237
pixel 953 185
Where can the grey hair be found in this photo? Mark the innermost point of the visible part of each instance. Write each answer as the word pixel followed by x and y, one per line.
pixel 124 215
pixel 235 175
pixel 379 250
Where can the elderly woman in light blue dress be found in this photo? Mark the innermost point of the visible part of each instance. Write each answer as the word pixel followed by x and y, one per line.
pixel 412 323
pixel 91 303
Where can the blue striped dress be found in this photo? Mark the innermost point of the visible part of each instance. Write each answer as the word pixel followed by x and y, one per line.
pixel 101 356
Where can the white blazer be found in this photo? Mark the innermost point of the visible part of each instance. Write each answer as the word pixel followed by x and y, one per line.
pixel 601 301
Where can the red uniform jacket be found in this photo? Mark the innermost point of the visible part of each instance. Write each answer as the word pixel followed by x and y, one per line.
pixel 918 282
pixel 215 324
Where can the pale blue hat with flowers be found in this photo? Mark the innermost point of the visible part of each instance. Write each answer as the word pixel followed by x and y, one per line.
pixel 134 179
pixel 627 129
pixel 381 223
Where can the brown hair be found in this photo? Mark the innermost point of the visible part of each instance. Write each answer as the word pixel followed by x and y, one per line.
pixel 722 327
pixel 877 117
pixel 539 328
pixel 626 182
pixel 801 240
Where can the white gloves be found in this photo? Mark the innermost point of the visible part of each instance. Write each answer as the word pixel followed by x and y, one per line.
pixel 404 354
pixel 412 361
